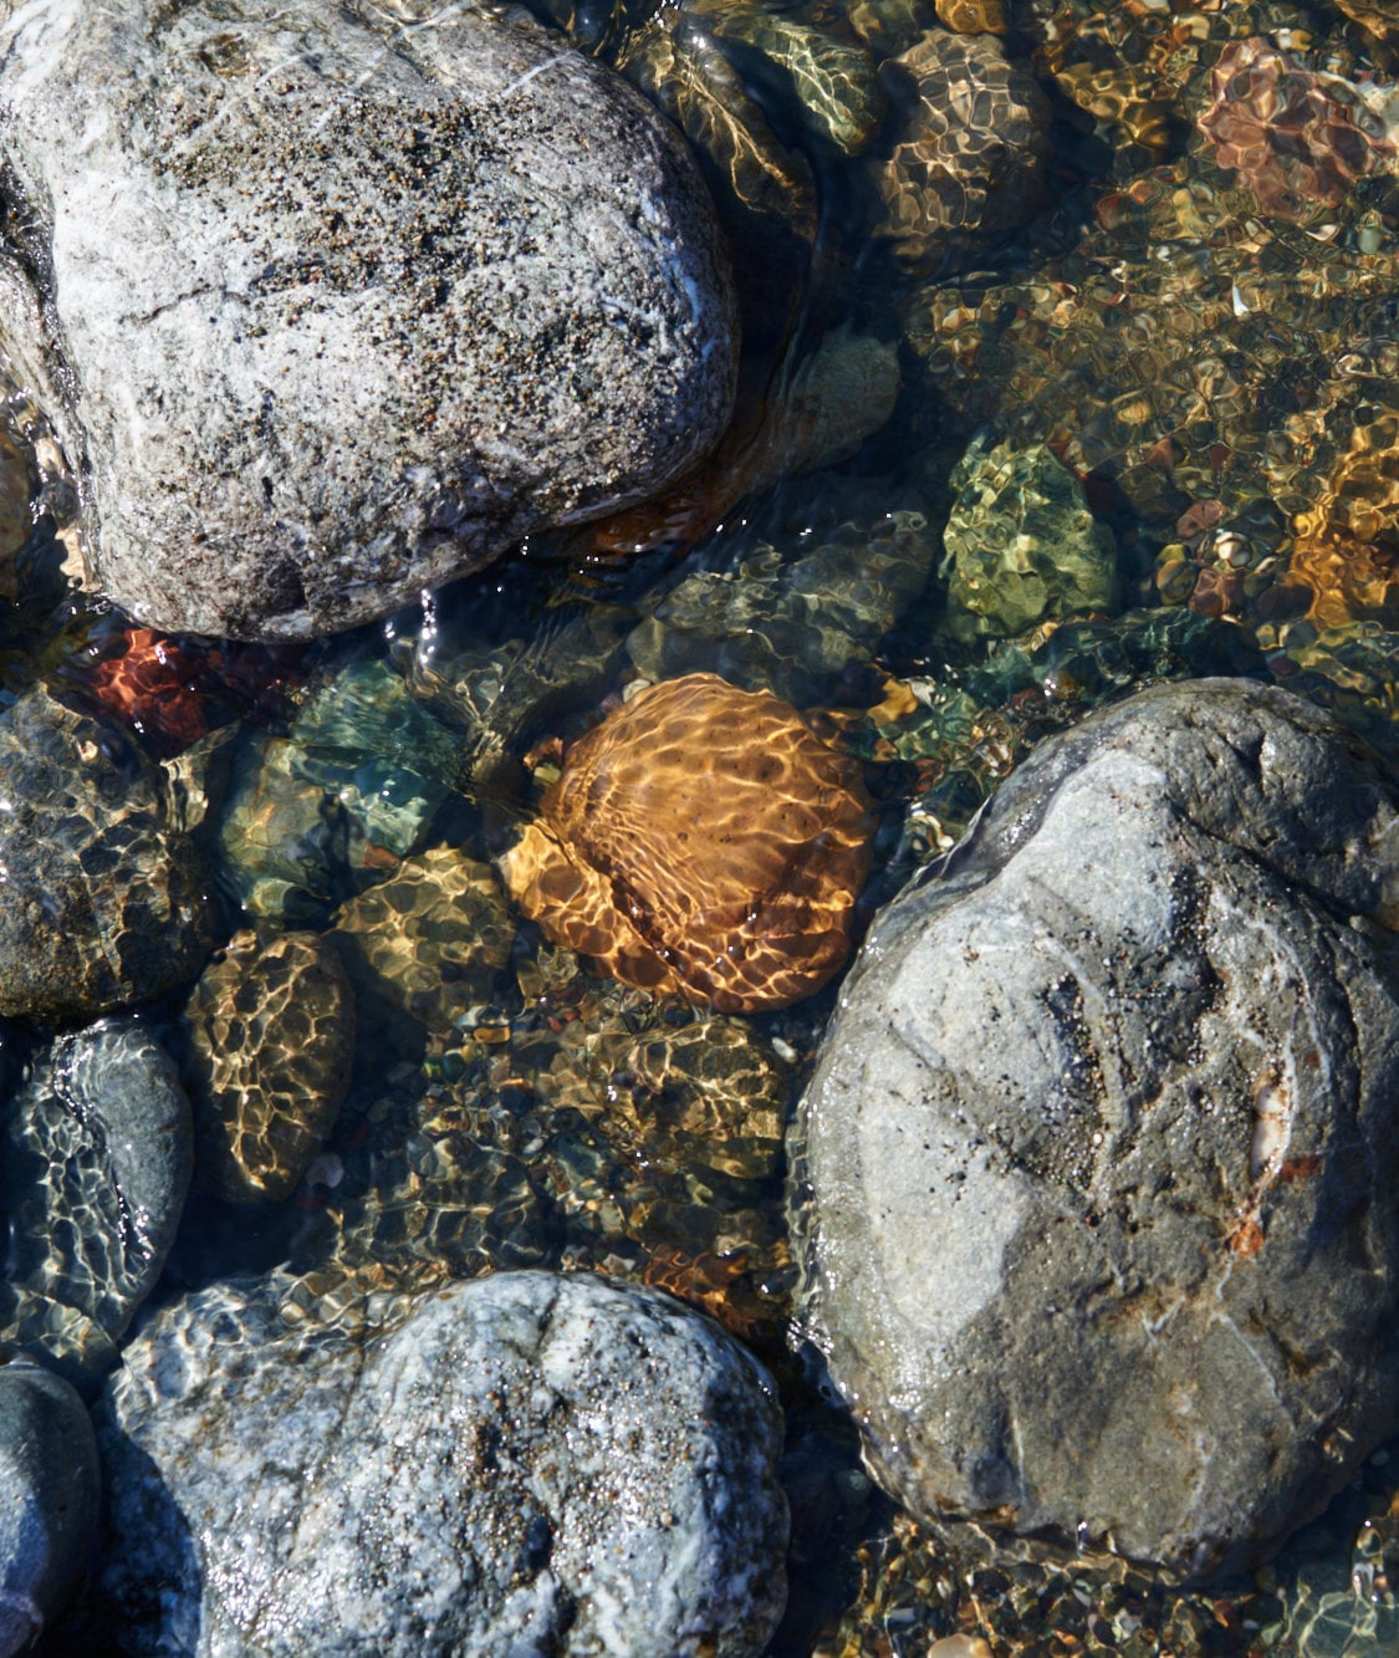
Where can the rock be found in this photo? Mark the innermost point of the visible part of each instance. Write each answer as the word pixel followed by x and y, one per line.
pixel 702 841
pixel 970 164
pixel 387 293
pixel 1380 17
pixel 334 806
pixel 1100 1241
pixel 378 752
pixel 1022 546
pixel 271 1032
pixel 284 848
pixel 526 1463
pixel 104 898
pixel 1299 140
pixel 95 1161
pixel 48 1520
pixel 502 691
pixel 430 941
pixel 802 628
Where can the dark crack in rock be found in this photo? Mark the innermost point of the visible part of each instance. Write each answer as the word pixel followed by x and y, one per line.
pixel 95 1161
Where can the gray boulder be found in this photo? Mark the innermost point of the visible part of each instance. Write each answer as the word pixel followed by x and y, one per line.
pixel 95 1162
pixel 1095 1180
pixel 104 898
pixel 48 1516
pixel 526 1464
pixel 389 288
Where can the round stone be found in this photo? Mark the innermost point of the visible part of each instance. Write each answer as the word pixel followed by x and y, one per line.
pixel 1094 1178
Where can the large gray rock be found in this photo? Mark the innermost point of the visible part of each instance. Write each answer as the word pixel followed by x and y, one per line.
pixel 528 1463
pixel 388 288
pixel 1096 1178
pixel 95 1162
pixel 103 899
pixel 48 1510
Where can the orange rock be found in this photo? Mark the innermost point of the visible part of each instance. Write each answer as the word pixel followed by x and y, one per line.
pixel 972 17
pixel 701 841
pixel 1290 133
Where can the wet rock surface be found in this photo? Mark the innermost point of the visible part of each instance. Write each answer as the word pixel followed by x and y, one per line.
pixel 525 1462
pixel 95 1161
pixel 426 945
pixel 700 840
pixel 104 899
pixel 271 1029
pixel 48 1519
pixel 384 297
pixel 970 163
pixel 1099 1237
pixel 1021 544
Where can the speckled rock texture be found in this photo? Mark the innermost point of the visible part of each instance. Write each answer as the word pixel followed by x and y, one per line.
pixel 95 1161
pixel 390 287
pixel 528 1463
pixel 1095 1178
pixel 48 1515
pixel 104 898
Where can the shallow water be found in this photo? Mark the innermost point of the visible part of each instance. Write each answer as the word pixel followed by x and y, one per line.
pixel 1191 370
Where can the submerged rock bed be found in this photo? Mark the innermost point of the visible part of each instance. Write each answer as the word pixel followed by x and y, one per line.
pixel 430 1064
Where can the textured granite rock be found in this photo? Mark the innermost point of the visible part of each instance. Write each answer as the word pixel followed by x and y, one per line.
pixel 48 1515
pixel 95 1161
pixel 103 900
pixel 527 1463
pixel 388 290
pixel 1094 1180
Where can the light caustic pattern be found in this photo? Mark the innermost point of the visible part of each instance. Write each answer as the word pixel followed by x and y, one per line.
pixel 702 841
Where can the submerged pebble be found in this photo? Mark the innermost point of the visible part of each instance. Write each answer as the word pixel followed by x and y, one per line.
pixel 970 164
pixel 48 1520
pixel 428 943
pixel 700 841
pixel 1021 544
pixel 270 1027
pixel 803 627
pixel 96 1151
pixel 104 899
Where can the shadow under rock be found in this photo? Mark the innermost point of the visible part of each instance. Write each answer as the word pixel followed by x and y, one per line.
pixel 162 1612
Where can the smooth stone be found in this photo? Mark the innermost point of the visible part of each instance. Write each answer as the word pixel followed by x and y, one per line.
pixel 104 899
pixel 271 1034
pixel 95 1162
pixel 528 1462
pixel 428 943
pixel 1093 1184
pixel 51 1492
pixel 1022 547
pixel 390 289
pixel 335 805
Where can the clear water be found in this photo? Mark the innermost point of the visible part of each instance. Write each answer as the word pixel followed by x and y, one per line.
pixel 1211 370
